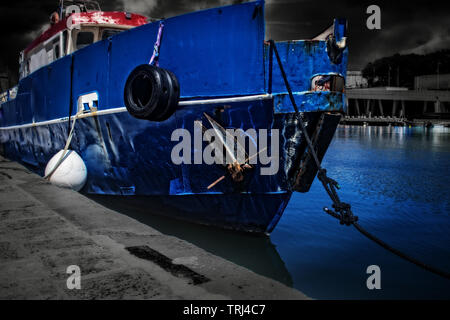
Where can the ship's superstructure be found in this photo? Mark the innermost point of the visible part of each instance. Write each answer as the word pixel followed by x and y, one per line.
pixel 76 25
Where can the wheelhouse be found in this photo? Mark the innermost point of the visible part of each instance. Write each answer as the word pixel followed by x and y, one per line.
pixel 75 25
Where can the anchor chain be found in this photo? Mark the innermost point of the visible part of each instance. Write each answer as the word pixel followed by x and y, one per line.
pixel 342 211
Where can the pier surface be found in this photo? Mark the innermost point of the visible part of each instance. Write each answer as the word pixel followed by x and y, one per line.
pixel 45 229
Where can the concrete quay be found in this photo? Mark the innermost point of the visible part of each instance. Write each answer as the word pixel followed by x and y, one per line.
pixel 45 229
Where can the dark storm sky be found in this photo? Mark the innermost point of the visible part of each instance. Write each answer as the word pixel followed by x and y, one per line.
pixel 406 27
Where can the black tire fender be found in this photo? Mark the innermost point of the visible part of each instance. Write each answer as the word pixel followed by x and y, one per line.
pixel 173 98
pixel 151 93
pixel 145 92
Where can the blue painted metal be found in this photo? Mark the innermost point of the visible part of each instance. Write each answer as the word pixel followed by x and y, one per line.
pixel 310 102
pixel 214 53
pixel 340 28
pixel 302 60
pixel 242 211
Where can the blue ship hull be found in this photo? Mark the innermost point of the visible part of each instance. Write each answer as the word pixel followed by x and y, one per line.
pixel 224 70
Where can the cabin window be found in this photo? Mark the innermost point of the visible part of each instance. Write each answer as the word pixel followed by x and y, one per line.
pixel 84 38
pixel 64 43
pixel 49 56
pixel 109 33
pixel 38 58
pixel 56 51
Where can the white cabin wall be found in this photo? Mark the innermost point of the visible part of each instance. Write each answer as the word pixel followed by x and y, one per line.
pixel 38 59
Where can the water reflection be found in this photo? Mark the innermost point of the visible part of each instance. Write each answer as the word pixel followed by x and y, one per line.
pixel 396 179
pixel 399 162
pixel 438 136
pixel 256 253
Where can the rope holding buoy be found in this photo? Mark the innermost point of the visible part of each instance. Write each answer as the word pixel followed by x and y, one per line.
pixel 66 168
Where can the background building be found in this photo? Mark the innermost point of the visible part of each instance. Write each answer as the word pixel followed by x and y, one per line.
pixel 432 82
pixel 355 80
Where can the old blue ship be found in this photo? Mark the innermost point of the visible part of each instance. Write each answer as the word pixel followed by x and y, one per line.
pixel 213 66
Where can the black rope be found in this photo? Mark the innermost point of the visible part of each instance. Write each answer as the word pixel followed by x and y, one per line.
pixel 401 254
pixel 342 211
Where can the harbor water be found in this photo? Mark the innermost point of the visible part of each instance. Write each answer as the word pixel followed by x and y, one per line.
pixel 395 178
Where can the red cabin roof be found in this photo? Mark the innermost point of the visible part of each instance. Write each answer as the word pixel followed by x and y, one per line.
pixel 95 17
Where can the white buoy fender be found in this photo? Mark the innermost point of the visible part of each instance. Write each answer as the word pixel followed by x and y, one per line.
pixel 71 173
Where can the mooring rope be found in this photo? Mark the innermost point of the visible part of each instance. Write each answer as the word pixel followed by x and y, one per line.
pixel 66 147
pixel 342 211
